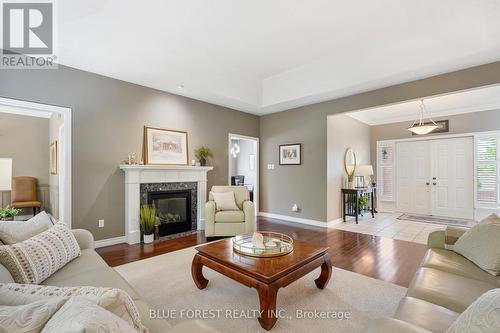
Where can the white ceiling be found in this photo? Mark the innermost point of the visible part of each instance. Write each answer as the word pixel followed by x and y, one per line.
pixel 477 100
pixel 263 56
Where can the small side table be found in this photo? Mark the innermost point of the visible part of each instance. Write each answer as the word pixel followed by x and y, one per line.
pixel 350 196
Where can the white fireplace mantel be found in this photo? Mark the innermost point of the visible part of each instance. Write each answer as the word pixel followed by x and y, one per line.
pixel 143 174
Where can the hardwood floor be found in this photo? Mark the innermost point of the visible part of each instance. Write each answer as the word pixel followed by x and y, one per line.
pixel 386 259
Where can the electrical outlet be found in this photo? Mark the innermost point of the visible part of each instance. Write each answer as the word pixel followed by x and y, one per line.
pixel 295 208
pixel 270 167
pixel 101 223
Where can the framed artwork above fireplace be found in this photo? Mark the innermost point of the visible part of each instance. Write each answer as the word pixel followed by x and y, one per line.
pixel 165 147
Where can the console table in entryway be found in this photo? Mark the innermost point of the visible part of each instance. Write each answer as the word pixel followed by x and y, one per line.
pixel 350 203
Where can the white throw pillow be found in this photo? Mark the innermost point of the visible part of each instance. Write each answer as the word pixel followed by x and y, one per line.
pixel 492 218
pixel 481 245
pixel 225 200
pixel 482 316
pixel 12 232
pixel 82 315
pixel 114 300
pixel 35 259
pixel 28 318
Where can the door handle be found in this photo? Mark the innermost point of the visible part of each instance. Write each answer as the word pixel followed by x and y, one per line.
pixel 434 183
pixel 433 178
pixel 427 183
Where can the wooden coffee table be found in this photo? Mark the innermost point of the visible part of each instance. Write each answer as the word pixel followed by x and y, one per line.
pixel 266 275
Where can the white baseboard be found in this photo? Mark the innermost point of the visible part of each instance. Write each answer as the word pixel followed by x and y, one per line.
pixel 201 224
pixel 335 222
pixel 300 220
pixel 110 241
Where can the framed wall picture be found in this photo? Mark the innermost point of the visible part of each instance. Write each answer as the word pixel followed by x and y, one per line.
pixel 290 154
pixel 164 146
pixel 53 158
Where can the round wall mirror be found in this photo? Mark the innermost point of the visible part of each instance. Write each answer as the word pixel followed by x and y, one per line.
pixel 349 161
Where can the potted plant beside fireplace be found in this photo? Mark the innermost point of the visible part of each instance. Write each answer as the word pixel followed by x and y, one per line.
pixel 147 217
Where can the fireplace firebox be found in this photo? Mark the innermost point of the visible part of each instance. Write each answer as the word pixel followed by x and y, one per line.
pixel 173 210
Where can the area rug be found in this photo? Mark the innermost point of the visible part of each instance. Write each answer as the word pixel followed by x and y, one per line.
pixel 348 303
pixel 438 220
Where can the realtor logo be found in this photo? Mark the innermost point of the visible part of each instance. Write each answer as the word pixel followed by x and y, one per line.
pixel 27 34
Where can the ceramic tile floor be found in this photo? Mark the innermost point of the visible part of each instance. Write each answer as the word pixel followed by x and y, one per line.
pixel 387 225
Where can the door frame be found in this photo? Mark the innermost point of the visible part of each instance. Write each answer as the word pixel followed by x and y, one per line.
pixel 231 136
pixel 62 172
pixel 37 109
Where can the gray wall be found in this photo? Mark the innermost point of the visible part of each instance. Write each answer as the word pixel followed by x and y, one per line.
pixel 26 140
pixel 462 123
pixel 307 184
pixel 343 132
pixel 108 119
pixel 108 116
pixel 286 185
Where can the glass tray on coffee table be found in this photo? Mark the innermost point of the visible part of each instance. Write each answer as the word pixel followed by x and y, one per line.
pixel 275 244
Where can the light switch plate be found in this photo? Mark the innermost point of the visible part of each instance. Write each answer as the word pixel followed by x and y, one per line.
pixel 101 223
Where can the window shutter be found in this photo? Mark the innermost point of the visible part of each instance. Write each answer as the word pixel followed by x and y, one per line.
pixel 386 172
pixel 487 171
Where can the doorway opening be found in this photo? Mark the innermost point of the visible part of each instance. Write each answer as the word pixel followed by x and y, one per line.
pixel 45 159
pixel 243 164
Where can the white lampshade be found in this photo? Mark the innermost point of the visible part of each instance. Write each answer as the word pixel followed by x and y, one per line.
pixel 423 129
pixel 5 174
pixel 364 170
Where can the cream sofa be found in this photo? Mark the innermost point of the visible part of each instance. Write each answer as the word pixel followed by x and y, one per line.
pixel 230 222
pixel 443 287
pixel 91 270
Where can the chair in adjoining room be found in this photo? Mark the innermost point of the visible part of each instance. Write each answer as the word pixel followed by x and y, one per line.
pixel 24 193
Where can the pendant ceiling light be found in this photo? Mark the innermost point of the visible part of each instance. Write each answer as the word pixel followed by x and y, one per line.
pixel 419 126
pixel 235 150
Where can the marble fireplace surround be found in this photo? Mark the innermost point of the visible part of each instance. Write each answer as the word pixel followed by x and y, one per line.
pixel 181 186
pixel 135 175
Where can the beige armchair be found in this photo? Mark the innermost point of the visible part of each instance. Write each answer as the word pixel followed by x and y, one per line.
pixel 230 222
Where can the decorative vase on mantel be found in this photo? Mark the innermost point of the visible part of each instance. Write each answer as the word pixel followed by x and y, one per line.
pixel 203 162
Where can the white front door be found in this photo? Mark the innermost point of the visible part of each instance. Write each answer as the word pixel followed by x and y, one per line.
pixel 452 177
pixel 413 173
